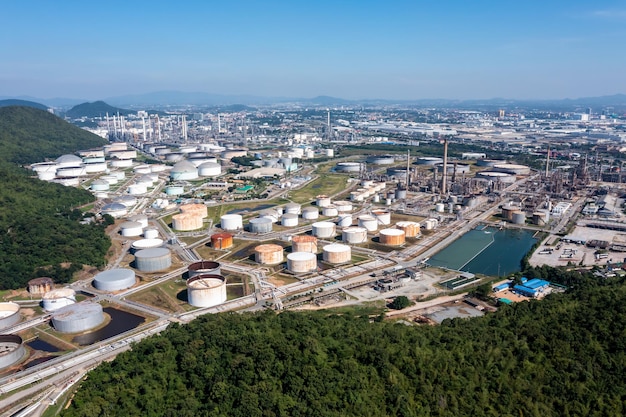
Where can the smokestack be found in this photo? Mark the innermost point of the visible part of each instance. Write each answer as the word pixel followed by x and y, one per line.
pixel 445 167
pixel 328 123
pixel 547 162
pixel 143 122
pixel 408 170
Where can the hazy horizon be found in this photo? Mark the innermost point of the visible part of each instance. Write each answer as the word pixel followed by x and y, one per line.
pixel 404 50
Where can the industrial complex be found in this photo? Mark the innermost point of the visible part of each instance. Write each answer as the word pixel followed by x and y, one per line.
pixel 217 212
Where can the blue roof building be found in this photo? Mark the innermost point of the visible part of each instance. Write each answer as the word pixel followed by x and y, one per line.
pixel 532 288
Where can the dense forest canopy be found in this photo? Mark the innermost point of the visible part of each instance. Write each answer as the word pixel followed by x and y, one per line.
pixel 24 103
pixel 95 109
pixel 563 356
pixel 39 223
pixel 29 135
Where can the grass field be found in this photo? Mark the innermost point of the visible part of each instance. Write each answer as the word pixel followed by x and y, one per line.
pixel 329 184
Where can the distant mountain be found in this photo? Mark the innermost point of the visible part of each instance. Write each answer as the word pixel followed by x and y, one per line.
pixel 25 103
pixel 95 109
pixel 30 135
pixel 180 98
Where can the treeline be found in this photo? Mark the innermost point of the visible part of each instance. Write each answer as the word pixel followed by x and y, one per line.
pixel 40 233
pixel 563 356
pixel 29 135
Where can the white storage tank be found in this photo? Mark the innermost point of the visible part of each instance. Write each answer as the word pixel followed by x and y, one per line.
pixel 94 167
pixel 129 229
pixel 110 179
pixel 337 253
pixel 146 244
pixel 268 254
pixel 348 167
pixel 304 243
pixel 137 189
pixel 9 314
pixel 206 290
pixel 12 350
pixel 323 229
pixel 322 200
pixel 70 172
pixel 231 222
pixel 440 207
pixel 121 163
pixel 184 170
pixel 127 200
pixel 153 260
pixel 519 217
pixel 77 318
pixel 343 206
pixel 58 298
pixel 301 262
pixel 116 210
pixel 139 218
pixel 354 235
pixel 383 216
pixel 209 169
pixel 393 237
pixel 99 185
pixel 289 220
pixel 345 220
pixel 293 208
pixel 114 279
pixel 151 233
pixel 430 224
pixel 260 225
pixel 310 213
pixel 368 222
pixel 330 211
pixel 204 267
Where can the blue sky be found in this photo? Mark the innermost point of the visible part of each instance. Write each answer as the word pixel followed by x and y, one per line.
pixel 351 49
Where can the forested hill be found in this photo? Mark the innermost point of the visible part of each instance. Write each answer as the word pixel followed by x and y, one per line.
pixel 41 234
pixel 95 109
pixel 23 103
pixel 563 356
pixel 30 135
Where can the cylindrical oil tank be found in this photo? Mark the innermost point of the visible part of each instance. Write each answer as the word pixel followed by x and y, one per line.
pixel 12 350
pixel 120 175
pixel 301 262
pixel 293 208
pixel 196 209
pixel 383 216
pixel 140 218
pixel 380 159
pixel 231 222
pixel 110 179
pixel 304 243
pixel 77 318
pixel 343 206
pixel 330 211
pixel 209 169
pixel 504 177
pixel 260 225
pixel 204 267
pixel 41 285
pixel 129 229
pixel 310 213
pixel 400 194
pixel 151 233
pixel 114 209
pixel 186 222
pixel 99 185
pixel 146 244
pixel 508 211
pixel 451 168
pixel 410 229
pixel 174 190
pixel 121 163
pixel 440 207
pixel 430 224
pixel 69 172
pixel 270 214
pixel 142 169
pixel 322 200
pixel 348 167
pixel 354 235
pixel 539 218
pixel 268 254
pixel 58 298
pixel 368 222
pixel 221 240
pixel 116 279
pixel 392 237
pixel 9 314
pixel 519 217
pixel 206 290
pixel 337 253
pixel 289 220
pixel 489 162
pixel 376 198
pixel 399 173
pixel 512 169
pixel 345 220
pixel 137 189
pixel 356 196
pixel 429 160
pixel 153 260
pixel 174 157
pixel 323 229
